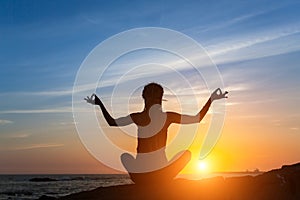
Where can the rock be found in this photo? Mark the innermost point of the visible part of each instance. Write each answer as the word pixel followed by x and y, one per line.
pixel 45 197
pixel 46 179
pixel 276 184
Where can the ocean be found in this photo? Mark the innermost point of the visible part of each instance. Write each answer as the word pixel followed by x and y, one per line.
pixel 28 187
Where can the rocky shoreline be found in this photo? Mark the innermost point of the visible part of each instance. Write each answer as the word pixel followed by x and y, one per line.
pixel 277 184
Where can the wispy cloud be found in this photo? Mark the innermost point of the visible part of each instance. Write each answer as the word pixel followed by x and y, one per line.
pixel 66 123
pixel 19 136
pixel 228 51
pixel 220 52
pixel 4 122
pixel 62 92
pixel 247 42
pixel 36 111
pixel 224 24
pixel 239 45
pixel 38 146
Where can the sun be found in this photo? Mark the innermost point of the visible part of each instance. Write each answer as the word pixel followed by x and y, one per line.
pixel 202 166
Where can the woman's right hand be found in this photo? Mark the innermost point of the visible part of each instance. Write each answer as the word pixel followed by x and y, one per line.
pixel 94 100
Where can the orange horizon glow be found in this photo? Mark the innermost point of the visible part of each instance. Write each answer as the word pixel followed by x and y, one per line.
pixel 243 145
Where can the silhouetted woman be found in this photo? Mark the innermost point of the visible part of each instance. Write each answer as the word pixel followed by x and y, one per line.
pixel 151 164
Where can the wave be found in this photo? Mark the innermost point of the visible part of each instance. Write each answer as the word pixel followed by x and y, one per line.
pixel 24 187
pixel 17 193
pixel 102 177
pixel 44 179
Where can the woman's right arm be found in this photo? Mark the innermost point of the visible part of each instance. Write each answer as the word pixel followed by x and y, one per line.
pixel 122 121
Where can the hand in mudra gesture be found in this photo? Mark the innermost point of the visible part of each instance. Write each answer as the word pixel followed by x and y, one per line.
pixel 218 94
pixel 94 100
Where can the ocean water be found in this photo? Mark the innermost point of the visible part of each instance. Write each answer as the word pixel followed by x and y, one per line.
pixel 19 187
pixel 216 174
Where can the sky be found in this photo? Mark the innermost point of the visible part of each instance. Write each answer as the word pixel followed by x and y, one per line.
pixel 255 46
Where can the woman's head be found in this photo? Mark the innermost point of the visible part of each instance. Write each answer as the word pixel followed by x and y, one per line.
pixel 153 92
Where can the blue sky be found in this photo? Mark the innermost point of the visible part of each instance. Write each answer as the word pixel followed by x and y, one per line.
pixel 255 45
pixel 44 43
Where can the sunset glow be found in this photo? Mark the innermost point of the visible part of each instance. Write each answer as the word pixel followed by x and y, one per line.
pixel 203 166
pixel 255 46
